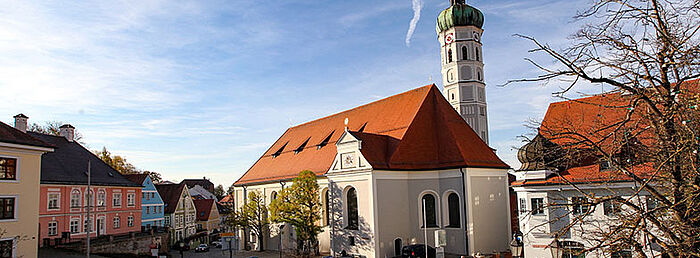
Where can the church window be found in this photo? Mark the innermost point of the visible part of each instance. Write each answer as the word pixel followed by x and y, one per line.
pixel 453 96
pixel 449 56
pixel 482 111
pixel 351 210
pixel 478 74
pixel 466 73
pixel 430 211
pixel 476 53
pixel 465 53
pixel 453 209
pixel 326 213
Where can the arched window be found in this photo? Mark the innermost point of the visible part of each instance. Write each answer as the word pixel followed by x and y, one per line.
pixel 351 209
pixel 273 196
pixel 101 196
pixel 465 53
pixel 75 199
pixel 476 53
pixel 326 213
pixel 398 244
pixel 453 210
pixel 430 211
pixel 449 56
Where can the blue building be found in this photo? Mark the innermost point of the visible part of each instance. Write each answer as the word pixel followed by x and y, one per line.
pixel 152 207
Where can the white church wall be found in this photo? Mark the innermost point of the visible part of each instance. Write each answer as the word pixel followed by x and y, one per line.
pixel 488 210
pixel 362 240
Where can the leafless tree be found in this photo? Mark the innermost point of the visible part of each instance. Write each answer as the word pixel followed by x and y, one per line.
pixel 646 54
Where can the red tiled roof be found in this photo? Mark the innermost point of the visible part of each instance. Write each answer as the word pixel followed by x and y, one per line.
pixel 170 193
pixel 568 123
pixel 414 130
pixel 203 207
pixel 227 199
pixel 587 174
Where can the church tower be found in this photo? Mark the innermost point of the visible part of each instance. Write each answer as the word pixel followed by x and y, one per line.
pixel 459 33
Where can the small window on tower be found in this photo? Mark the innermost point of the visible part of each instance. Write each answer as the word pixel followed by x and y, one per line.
pixel 453 96
pixel 449 56
pixel 476 53
pixel 465 53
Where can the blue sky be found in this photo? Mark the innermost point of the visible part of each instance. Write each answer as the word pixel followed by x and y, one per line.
pixel 192 89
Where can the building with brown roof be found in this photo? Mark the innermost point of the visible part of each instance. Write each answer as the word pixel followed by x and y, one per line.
pixel 20 171
pixel 561 170
pixel 180 213
pixel 386 158
pixel 208 218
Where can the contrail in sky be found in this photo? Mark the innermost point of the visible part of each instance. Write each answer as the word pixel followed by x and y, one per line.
pixel 417 6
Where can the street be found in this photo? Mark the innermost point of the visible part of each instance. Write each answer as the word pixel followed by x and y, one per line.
pixel 218 253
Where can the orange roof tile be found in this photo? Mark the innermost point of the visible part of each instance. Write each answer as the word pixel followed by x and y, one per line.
pixel 414 130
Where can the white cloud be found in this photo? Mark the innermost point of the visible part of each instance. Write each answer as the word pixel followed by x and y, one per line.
pixel 417 5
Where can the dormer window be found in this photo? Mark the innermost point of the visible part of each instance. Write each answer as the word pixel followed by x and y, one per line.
pixel 325 141
pixel 279 151
pixel 302 146
pixel 362 129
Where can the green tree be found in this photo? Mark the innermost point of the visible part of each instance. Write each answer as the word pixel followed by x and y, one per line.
pixel 300 206
pixel 122 166
pixel 219 192
pixel 253 215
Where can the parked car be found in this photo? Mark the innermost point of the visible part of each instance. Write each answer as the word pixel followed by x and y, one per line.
pixel 202 248
pixel 216 244
pixel 417 251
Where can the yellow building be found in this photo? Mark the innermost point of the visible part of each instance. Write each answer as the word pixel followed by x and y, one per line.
pixel 20 171
pixel 207 215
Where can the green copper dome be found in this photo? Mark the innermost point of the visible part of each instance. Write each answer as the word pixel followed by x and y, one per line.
pixel 459 15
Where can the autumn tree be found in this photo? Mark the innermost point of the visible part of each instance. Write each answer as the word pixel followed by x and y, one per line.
pixel 52 128
pixel 300 206
pixel 121 165
pixel 253 216
pixel 219 192
pixel 648 53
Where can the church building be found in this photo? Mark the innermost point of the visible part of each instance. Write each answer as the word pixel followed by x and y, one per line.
pixel 391 169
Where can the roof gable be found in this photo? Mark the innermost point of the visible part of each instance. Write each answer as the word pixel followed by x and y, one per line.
pixel 9 134
pixel 414 130
pixel 170 193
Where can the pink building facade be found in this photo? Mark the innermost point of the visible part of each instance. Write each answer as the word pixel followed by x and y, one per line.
pixel 114 210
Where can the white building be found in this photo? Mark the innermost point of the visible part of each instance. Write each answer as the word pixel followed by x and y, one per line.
pixel 550 207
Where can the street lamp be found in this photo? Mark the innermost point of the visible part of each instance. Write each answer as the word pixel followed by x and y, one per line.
pixel 182 246
pixel 556 249
pixel 516 246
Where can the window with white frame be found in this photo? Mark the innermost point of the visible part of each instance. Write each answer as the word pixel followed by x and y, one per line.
pixel 117 199
pixel 167 220
pixel 130 221
pixel 116 222
pixel 351 209
pixel 130 199
pixel 53 200
pixel 453 211
pixel 89 198
pixel 7 208
pixel 74 226
pixel 53 228
pixel 579 205
pixel 611 207
pixel 101 197
pixel 537 206
pixel 75 198
pixel 429 208
pixel 523 205
pixel 86 225
pixel 8 168
pixel 7 248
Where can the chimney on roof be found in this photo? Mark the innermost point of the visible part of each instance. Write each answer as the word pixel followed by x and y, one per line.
pixel 21 122
pixel 67 131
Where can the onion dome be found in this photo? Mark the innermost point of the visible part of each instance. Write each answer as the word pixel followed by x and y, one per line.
pixel 459 14
pixel 538 154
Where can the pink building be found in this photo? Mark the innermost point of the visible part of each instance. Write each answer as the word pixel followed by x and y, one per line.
pixel 115 202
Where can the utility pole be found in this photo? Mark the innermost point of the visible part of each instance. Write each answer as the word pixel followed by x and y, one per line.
pixel 88 210
pixel 425 230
